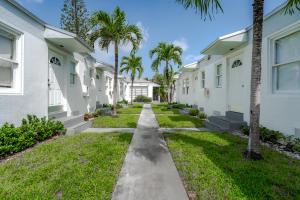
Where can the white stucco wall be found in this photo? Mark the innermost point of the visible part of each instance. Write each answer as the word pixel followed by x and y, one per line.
pixel 33 98
pixel 278 111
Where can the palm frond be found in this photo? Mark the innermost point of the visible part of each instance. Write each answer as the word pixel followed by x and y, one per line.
pixel 204 7
pixel 292 6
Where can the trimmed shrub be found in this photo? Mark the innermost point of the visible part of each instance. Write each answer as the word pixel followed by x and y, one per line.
pixel 178 106
pixel 123 102
pixel 267 135
pixel 193 112
pixel 142 99
pixel 32 130
pixel 202 115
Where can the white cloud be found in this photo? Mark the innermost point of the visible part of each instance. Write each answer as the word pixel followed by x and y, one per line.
pixel 181 43
pixel 192 58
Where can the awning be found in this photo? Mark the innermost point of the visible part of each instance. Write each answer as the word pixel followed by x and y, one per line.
pixel 104 67
pixel 66 40
pixel 227 43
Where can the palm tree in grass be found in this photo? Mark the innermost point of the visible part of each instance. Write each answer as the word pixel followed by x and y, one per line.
pixel 168 54
pixel 132 64
pixel 208 8
pixel 114 30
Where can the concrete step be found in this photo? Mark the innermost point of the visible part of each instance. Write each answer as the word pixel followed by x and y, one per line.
pixel 226 123
pixel 71 121
pixel 236 116
pixel 79 127
pixel 57 114
pixel 214 126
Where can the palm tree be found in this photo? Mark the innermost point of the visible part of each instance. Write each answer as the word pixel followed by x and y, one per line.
pixel 207 8
pixel 114 30
pixel 169 54
pixel 132 65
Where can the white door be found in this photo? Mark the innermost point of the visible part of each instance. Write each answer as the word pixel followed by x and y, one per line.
pixel 236 85
pixel 55 81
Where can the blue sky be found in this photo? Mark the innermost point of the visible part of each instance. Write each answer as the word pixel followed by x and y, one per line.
pixel 162 20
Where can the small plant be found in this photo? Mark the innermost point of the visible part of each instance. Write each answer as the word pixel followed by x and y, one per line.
pixel 245 130
pixel 142 99
pixel 98 112
pixel 178 106
pixel 202 115
pixel 193 112
pixel 292 144
pixel 267 135
pixel 119 105
pixel 123 102
pixel 88 116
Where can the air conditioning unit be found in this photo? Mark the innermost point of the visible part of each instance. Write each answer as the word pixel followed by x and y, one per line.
pixel 206 92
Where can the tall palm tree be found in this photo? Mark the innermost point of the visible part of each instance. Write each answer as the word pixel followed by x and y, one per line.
pixel 168 54
pixel 114 30
pixel 207 8
pixel 132 65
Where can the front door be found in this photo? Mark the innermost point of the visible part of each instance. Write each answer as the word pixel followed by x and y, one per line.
pixel 55 81
pixel 236 85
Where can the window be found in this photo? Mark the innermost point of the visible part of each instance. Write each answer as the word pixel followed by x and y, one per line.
pixel 219 76
pixel 187 84
pixel 8 61
pixel 203 79
pixel 91 73
pixel 236 63
pixel 73 73
pixel 55 60
pixel 286 63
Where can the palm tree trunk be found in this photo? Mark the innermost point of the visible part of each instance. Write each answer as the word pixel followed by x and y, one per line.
pixel 253 151
pixel 131 91
pixel 115 92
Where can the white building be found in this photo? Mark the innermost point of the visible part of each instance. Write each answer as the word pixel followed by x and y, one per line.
pixel 140 87
pixel 47 71
pixel 220 81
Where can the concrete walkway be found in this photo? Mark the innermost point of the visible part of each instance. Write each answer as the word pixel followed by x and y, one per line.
pixel 149 172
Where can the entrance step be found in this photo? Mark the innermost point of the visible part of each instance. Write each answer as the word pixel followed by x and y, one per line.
pixel 57 114
pixel 230 122
pixel 79 127
pixel 71 121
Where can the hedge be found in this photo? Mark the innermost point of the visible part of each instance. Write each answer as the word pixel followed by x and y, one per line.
pixel 32 130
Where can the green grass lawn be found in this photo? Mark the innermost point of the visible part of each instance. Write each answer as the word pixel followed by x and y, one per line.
pixel 132 109
pixel 121 121
pixel 84 166
pixel 162 109
pixel 213 167
pixel 179 121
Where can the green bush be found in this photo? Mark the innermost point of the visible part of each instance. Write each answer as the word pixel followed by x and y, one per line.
pixel 193 112
pixel 178 106
pixel 143 99
pixel 32 130
pixel 292 144
pixel 123 102
pixel 202 115
pixel 119 105
pixel 267 135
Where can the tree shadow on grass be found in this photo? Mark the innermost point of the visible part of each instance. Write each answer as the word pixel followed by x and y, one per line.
pixel 182 121
pixel 275 177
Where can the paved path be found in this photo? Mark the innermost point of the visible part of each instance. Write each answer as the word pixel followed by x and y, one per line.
pixel 149 172
pixel 108 130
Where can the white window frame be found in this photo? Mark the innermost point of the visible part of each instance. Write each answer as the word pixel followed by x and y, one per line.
pixel 219 76
pixel 17 63
pixel 272 58
pixel 203 74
